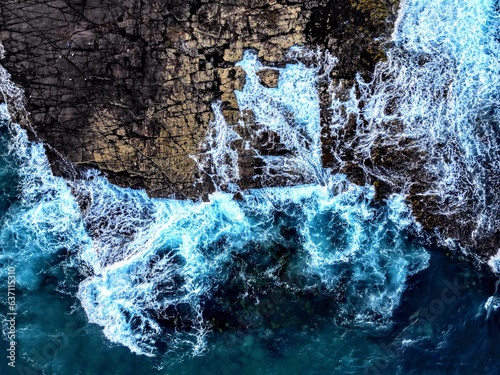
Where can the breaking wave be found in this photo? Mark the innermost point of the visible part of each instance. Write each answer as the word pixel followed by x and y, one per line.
pixel 436 96
pixel 150 267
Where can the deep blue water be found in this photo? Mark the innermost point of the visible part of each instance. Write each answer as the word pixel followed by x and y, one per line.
pixel 314 279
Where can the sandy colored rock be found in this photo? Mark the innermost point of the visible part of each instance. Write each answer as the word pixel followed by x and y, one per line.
pixel 127 87
pixel 269 77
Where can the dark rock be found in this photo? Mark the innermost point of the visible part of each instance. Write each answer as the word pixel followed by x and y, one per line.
pixel 126 87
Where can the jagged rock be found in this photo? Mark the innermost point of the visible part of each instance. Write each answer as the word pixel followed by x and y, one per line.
pixel 269 77
pixel 127 86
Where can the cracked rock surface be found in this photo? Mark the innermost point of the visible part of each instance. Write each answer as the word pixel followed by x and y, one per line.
pixel 127 86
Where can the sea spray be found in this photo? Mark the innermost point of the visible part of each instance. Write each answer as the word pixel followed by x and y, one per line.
pixel 291 110
pixel 288 115
pixel 147 262
pixel 178 256
pixel 220 162
pixel 149 266
pixel 45 221
pixel 436 96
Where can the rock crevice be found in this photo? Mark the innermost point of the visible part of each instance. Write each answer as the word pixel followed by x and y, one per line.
pixel 127 87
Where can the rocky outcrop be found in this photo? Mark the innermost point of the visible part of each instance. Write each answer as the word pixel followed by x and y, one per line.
pixel 126 87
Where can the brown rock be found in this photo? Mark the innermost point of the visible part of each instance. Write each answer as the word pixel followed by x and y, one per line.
pixel 130 84
pixel 269 77
pixel 127 87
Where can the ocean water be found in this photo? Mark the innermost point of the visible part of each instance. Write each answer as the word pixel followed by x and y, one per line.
pixel 313 279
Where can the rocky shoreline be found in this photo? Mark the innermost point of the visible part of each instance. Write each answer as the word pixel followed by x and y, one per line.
pixel 127 88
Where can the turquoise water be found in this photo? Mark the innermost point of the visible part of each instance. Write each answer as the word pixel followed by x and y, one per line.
pixel 317 278
pixel 317 313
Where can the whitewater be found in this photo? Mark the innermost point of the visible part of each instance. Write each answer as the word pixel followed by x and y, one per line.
pixel 155 275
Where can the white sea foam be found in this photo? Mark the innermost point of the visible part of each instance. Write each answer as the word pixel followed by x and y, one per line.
pixel 370 256
pixel 46 219
pixel 149 262
pixel 11 93
pixel 439 88
pixel 220 162
pixel 131 287
pixel 290 110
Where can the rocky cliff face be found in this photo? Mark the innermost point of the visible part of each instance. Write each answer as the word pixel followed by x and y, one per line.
pixel 127 87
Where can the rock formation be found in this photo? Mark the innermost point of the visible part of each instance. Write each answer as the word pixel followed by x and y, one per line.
pixel 127 86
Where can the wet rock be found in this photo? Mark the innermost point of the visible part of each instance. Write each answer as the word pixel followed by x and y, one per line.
pixel 126 87
pixel 269 77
